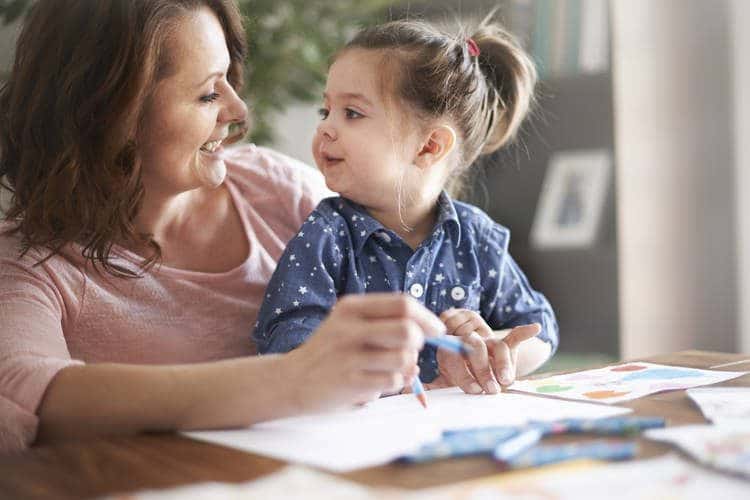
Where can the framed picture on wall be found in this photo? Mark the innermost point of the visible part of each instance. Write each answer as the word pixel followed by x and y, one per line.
pixel 571 201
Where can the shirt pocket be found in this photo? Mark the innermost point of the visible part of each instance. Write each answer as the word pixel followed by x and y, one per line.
pixel 456 295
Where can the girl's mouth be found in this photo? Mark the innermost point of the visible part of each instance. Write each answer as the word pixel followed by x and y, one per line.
pixel 331 160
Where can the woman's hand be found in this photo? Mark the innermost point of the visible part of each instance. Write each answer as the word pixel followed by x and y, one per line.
pixel 493 359
pixel 367 346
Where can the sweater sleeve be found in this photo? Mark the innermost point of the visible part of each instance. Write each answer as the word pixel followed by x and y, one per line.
pixel 32 347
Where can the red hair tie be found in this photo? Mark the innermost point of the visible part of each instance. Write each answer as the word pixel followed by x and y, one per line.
pixel 473 47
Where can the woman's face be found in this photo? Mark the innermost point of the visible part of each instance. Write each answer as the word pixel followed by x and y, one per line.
pixel 191 109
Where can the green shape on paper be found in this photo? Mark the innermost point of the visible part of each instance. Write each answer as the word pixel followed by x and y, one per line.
pixel 553 388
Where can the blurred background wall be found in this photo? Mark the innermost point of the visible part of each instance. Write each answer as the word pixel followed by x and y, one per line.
pixel 662 87
pixel 740 21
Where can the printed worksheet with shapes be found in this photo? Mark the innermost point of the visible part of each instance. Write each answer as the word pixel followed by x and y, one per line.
pixel 392 427
pixel 613 384
pixel 725 447
pixel 723 405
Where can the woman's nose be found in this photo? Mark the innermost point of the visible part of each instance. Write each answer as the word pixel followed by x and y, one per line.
pixel 235 109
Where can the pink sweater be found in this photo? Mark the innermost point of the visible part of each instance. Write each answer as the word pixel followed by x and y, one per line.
pixel 59 313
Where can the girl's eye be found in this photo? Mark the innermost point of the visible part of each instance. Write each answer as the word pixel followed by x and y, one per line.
pixel 210 97
pixel 323 113
pixel 350 113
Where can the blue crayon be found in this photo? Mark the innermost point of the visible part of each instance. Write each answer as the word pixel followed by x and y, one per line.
pixel 619 426
pixel 462 444
pixel 497 433
pixel 513 447
pixel 596 450
pixel 450 343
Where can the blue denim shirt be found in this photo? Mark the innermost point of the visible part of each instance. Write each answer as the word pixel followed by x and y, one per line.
pixel 340 249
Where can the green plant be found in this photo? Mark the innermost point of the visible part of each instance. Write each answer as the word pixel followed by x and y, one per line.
pixel 289 41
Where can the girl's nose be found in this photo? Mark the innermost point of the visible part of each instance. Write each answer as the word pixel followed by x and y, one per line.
pixel 327 131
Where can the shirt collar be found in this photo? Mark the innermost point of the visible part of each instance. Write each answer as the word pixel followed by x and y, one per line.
pixel 448 217
pixel 363 225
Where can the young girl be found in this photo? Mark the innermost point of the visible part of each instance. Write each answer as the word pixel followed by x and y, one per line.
pixel 407 110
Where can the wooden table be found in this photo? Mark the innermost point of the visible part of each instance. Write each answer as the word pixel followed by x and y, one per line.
pixel 120 464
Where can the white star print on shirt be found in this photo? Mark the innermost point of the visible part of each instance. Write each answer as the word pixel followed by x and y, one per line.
pixel 333 241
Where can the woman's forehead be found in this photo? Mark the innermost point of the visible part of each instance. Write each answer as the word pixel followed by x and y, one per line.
pixel 197 47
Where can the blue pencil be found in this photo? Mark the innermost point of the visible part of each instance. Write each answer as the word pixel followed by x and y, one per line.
pixel 418 390
pixel 450 343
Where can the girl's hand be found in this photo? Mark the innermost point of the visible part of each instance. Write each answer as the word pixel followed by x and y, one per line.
pixel 493 359
pixel 367 346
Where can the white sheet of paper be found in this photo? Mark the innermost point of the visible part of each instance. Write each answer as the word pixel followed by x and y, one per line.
pixel 723 404
pixel 391 427
pixel 667 477
pixel 724 446
pixel 289 483
pixel 623 382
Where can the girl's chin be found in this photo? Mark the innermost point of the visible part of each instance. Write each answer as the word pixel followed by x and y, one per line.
pixel 210 168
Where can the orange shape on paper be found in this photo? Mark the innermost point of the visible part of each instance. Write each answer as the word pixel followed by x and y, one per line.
pixel 604 394
pixel 628 368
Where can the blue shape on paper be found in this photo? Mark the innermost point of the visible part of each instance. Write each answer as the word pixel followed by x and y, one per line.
pixel 662 374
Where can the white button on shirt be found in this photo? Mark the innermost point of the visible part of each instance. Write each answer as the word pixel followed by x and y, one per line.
pixel 416 290
pixel 458 293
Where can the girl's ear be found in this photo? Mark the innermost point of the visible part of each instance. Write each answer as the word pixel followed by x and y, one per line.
pixel 439 143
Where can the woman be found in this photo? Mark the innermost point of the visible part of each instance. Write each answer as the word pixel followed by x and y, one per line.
pixel 136 249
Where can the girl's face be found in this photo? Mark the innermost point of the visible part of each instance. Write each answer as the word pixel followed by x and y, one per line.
pixel 362 145
pixel 191 110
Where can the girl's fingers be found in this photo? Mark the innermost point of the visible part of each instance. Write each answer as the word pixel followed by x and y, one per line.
pixel 453 369
pixel 453 318
pixel 521 333
pixel 463 321
pixel 502 361
pixel 479 363
pixel 474 324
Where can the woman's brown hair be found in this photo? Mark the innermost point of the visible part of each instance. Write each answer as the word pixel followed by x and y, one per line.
pixel 486 95
pixel 70 115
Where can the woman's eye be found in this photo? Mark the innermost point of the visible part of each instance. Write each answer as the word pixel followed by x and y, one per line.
pixel 210 97
pixel 323 113
pixel 350 113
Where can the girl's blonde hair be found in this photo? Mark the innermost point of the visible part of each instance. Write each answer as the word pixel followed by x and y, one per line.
pixel 486 96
